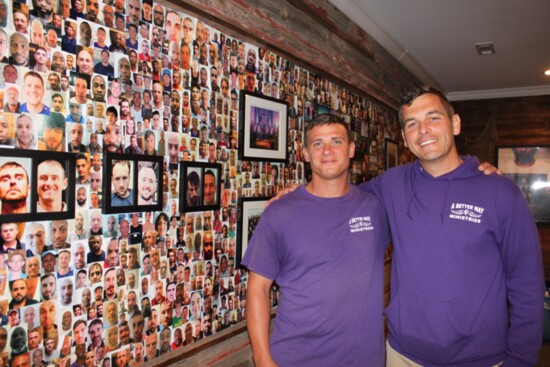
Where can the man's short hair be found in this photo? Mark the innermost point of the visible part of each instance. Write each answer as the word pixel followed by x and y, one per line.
pixel 47 275
pixel 55 95
pixel 96 322
pixel 210 172
pixel 327 119
pixel 193 178
pixel 122 163
pixel 32 73
pixel 113 110
pixel 54 163
pixel 81 155
pixel 410 96
pixel 149 133
pixel 77 323
pixel 55 120
pixel 13 282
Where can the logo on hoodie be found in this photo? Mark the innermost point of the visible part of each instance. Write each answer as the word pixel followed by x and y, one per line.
pixel 360 224
pixel 466 212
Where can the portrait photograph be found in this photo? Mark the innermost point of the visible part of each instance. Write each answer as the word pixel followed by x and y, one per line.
pixel 15 185
pixel 36 185
pixel 149 190
pixel 201 183
pixel 134 184
pixel 529 167
pixel 122 183
pixel 251 212
pixel 264 127
pixel 55 185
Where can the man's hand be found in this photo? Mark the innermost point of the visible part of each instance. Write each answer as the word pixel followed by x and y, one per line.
pixel 281 193
pixel 489 169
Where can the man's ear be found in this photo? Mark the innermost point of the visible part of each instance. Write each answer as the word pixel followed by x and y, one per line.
pixel 305 154
pixel 351 153
pixel 455 120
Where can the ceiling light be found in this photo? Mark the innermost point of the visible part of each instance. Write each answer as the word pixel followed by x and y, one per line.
pixel 485 48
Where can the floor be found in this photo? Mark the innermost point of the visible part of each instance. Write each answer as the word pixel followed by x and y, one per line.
pixel 544 360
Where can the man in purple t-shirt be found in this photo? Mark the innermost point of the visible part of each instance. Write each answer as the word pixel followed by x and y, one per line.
pixel 329 267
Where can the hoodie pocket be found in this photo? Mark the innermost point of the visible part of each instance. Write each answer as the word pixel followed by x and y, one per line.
pixel 426 329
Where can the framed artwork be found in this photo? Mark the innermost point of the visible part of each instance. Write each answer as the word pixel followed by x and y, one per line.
pixel 264 128
pixel 529 167
pixel 200 186
pixel 392 156
pixel 134 183
pixel 251 211
pixel 36 185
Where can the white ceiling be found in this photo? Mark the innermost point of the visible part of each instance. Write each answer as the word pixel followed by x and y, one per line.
pixel 435 40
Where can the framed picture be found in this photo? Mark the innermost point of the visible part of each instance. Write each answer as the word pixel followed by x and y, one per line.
pixel 529 167
pixel 264 128
pixel 36 185
pixel 251 211
pixel 200 186
pixel 392 156
pixel 135 183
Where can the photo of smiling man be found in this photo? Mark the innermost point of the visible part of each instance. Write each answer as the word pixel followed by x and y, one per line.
pixel 147 184
pixel 51 180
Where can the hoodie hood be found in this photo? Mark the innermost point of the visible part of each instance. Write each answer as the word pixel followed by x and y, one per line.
pixel 468 168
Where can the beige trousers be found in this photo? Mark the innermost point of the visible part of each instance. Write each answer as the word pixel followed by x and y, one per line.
pixel 395 359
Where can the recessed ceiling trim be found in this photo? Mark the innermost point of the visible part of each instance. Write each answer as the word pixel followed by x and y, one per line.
pixel 499 93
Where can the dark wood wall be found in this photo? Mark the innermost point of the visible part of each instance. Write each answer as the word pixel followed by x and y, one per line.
pixel 313 34
pixel 507 121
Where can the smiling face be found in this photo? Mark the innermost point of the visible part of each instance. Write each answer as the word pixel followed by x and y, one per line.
pixel 329 150
pixel 428 131
pixel 51 182
pixel 33 90
pixel 84 61
pixel 147 184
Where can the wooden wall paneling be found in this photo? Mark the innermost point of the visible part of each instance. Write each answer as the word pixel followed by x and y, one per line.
pixel 314 35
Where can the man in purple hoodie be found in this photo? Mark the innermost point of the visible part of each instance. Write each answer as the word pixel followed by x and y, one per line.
pixel 467 278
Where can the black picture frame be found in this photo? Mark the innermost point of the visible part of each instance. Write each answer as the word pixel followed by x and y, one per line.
pixel 270 144
pixel 199 170
pixel 33 162
pixel 529 167
pixel 146 174
pixel 251 209
pixel 391 154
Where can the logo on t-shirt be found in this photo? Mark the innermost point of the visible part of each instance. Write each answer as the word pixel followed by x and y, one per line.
pixel 360 224
pixel 466 212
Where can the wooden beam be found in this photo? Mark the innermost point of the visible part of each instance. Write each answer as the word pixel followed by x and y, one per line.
pixel 313 35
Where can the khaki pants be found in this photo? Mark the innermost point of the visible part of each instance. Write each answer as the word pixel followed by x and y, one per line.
pixel 395 359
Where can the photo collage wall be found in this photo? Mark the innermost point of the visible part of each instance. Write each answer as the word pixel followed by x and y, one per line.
pixel 135 77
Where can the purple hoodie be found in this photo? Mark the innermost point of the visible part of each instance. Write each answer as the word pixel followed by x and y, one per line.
pixel 467 278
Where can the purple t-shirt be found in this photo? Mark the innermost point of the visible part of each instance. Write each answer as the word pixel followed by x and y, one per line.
pixel 327 256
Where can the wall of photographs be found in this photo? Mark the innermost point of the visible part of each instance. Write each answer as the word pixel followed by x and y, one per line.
pixel 135 77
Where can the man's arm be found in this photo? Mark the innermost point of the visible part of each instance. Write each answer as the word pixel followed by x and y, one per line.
pixel 258 313
pixel 281 193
